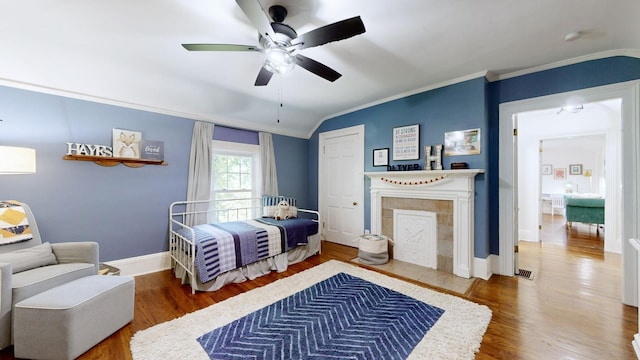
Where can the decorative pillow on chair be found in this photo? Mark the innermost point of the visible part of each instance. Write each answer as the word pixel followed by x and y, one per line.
pixel 270 205
pixel 29 258
pixel 14 226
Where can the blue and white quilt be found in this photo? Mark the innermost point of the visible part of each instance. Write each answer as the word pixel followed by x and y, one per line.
pixel 227 246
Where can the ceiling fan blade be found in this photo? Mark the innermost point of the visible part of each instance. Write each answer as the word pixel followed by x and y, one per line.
pixel 317 68
pixel 333 32
pixel 258 17
pixel 263 77
pixel 220 47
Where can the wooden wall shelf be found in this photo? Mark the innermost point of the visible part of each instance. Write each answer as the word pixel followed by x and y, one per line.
pixel 113 161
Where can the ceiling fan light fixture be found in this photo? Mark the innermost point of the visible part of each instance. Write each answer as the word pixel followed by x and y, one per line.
pixel 279 61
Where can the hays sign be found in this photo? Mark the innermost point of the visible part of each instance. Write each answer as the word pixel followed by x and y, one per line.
pixel 90 150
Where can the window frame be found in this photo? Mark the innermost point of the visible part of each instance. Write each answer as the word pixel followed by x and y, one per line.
pixel 237 149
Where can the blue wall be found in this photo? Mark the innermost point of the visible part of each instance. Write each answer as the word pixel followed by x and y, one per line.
pixel 292 166
pixel 124 209
pixel 471 104
pixel 579 76
pixel 457 107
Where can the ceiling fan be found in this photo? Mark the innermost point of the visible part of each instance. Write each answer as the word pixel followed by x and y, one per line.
pixel 280 42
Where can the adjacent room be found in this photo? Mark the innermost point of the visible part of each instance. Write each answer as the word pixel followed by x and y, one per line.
pixel 314 179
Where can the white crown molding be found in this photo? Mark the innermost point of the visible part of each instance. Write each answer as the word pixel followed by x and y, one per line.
pixel 596 56
pixel 217 120
pixel 491 77
pixel 402 95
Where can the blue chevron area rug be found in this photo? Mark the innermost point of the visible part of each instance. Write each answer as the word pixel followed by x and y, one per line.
pixel 333 310
pixel 343 317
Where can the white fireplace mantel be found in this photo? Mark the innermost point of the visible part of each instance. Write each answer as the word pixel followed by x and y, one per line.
pixel 455 185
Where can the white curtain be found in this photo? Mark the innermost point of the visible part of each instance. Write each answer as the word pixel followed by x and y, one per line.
pixel 268 164
pixel 200 168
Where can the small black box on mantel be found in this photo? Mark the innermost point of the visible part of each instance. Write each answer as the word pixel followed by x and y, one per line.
pixel 459 165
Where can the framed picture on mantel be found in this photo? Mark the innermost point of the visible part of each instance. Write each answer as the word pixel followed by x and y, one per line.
pixel 381 157
pixel 406 142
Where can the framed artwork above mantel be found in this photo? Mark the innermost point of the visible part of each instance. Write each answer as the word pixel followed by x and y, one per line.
pixel 381 157
pixel 406 142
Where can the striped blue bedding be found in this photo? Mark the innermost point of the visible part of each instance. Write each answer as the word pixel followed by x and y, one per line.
pixel 226 246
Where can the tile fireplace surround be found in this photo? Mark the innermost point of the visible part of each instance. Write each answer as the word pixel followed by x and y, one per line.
pixel 456 186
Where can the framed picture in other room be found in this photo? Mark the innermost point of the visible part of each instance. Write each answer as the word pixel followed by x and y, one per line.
pixel 381 157
pixel 545 169
pixel 575 169
pixel 559 173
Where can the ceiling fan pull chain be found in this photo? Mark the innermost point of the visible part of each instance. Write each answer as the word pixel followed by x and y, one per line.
pixel 279 98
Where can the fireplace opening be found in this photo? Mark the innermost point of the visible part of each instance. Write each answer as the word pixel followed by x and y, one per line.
pixel 422 231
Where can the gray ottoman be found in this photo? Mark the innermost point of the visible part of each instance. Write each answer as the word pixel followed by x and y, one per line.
pixel 66 321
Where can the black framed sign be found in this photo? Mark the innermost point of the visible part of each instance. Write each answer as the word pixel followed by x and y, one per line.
pixel 381 157
pixel 406 141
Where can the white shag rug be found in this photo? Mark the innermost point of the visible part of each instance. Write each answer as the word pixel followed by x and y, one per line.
pixel 456 335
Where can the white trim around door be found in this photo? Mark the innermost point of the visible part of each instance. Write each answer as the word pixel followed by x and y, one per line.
pixel 630 184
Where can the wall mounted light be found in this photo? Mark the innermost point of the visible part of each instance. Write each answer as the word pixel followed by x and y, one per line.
pixel 17 160
pixel 572 109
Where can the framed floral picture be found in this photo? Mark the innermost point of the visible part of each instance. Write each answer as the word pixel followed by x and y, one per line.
pixel 560 173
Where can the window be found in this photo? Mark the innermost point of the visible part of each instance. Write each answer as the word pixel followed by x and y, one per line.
pixel 235 182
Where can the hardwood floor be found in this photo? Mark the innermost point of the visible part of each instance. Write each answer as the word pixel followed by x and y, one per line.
pixel 570 310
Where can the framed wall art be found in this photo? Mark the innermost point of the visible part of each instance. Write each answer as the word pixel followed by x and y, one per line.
pixel 546 169
pixel 463 142
pixel 559 173
pixel 406 142
pixel 381 157
pixel 575 169
pixel 126 143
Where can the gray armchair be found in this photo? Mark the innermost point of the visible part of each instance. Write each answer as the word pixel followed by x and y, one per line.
pixel 31 267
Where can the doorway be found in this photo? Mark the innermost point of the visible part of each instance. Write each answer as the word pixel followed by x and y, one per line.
pixel 628 183
pixel 556 150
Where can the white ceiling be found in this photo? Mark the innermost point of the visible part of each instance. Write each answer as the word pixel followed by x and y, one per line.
pixel 129 52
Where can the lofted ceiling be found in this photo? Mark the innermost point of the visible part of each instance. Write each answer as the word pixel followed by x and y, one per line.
pixel 128 52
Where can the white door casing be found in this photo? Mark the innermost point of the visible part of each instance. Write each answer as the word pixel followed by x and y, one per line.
pixel 341 184
pixel 630 184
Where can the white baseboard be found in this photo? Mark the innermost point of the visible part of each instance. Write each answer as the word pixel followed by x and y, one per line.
pixel 141 265
pixel 495 265
pixel 636 345
pixel 484 268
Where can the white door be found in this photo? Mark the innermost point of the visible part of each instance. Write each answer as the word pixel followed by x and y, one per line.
pixel 341 184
